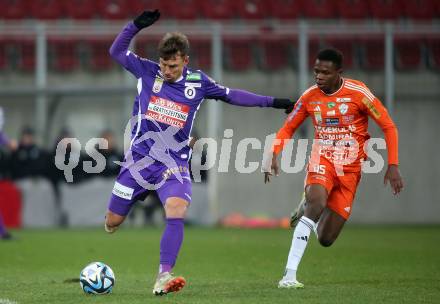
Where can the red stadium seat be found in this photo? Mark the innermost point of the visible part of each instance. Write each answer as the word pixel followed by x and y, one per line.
pixel 146 46
pixel 373 53
pixel 238 53
pixel 252 9
pixel 182 9
pixel 433 46
pixel 275 52
pixel 4 62
pixel 437 9
pixel 285 9
pixel 386 9
pixel 217 10
pixel 64 56
pixel 319 9
pixel 200 54
pixel 113 9
pixel 346 46
pixel 13 9
pixel 80 9
pixel 408 53
pixel 138 6
pixel 352 9
pixel 419 9
pixel 99 58
pixel 26 53
pixel 46 9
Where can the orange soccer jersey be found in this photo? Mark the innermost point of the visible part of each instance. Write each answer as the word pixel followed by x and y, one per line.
pixel 341 130
pixel 341 123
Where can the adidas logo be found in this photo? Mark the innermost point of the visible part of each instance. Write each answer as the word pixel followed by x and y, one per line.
pixel 304 238
pixel 317 109
pixel 347 209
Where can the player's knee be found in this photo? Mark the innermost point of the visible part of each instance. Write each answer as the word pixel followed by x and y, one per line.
pixel 314 207
pixel 175 207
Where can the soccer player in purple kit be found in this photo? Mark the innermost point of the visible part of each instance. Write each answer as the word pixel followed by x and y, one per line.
pixel 169 95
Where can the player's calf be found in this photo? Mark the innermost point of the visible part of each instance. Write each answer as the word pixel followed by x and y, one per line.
pixel 325 242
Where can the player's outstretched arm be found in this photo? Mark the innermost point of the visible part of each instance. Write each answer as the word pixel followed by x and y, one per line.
pixel 244 98
pixel 120 45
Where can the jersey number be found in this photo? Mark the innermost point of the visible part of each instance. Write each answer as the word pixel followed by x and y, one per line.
pixel 319 169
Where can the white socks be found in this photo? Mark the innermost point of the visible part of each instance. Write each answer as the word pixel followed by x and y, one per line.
pixel 301 236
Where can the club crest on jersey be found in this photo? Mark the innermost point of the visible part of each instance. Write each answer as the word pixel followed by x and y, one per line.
pixel 190 89
pixel 157 86
pixel 343 108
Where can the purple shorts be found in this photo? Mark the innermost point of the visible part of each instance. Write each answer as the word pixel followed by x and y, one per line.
pixel 168 181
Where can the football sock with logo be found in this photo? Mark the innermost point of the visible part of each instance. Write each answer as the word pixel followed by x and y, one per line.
pixel 301 236
pixel 170 243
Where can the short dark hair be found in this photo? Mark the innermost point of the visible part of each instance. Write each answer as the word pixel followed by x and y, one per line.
pixel 333 55
pixel 173 44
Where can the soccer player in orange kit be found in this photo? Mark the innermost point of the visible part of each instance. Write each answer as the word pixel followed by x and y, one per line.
pixel 339 108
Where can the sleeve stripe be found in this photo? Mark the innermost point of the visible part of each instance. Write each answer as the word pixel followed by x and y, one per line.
pixel 295 111
pixel 360 89
pixel 139 115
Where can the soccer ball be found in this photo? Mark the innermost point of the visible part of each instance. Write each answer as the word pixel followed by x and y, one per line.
pixel 97 278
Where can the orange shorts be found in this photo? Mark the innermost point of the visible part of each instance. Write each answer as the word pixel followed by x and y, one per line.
pixel 341 189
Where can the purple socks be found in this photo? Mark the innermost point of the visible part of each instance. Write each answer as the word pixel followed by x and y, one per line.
pixel 170 243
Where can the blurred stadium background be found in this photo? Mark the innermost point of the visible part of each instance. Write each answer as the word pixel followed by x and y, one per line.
pixel 57 80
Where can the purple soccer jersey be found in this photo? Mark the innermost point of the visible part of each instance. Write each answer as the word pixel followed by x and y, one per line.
pixel 163 116
pixel 161 104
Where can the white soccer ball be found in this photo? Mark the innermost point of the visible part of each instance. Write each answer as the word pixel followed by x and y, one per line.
pixel 97 278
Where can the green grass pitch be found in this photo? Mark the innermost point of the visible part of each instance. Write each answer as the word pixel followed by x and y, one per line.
pixel 365 265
